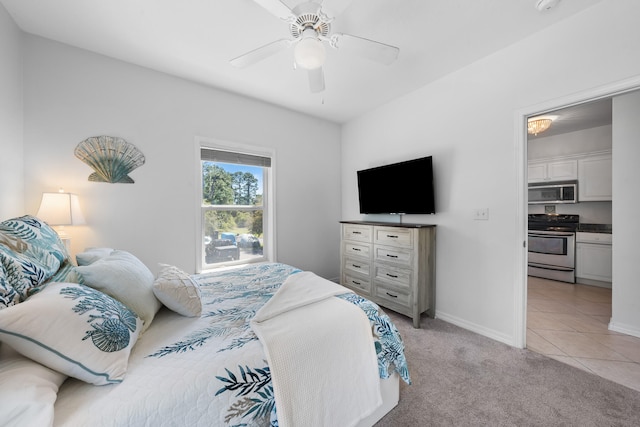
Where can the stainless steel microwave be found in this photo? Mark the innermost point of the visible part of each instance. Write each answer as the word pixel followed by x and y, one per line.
pixel 553 192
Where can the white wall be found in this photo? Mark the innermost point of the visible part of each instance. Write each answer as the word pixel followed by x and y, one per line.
pixel 11 159
pixel 466 121
pixel 71 94
pixel 626 181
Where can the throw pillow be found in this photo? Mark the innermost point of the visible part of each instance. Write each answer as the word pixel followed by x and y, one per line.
pixel 30 253
pixel 91 255
pixel 30 403
pixel 175 289
pixel 21 276
pixel 75 330
pixel 125 278
pixel 35 239
pixel 8 294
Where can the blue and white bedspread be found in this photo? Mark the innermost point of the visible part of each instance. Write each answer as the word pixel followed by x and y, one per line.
pixel 210 370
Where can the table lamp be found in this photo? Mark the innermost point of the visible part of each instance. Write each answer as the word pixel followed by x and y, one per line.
pixel 60 209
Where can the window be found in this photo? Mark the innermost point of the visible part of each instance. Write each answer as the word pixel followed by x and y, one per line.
pixel 236 215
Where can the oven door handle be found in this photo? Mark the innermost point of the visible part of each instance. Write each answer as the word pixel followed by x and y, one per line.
pixel 550 267
pixel 557 234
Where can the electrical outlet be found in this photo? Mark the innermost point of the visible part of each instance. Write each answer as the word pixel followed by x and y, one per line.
pixel 481 214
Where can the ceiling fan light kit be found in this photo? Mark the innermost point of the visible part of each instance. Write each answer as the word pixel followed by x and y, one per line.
pixel 310 29
pixel 309 52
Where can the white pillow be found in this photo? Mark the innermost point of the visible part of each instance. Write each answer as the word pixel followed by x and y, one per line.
pixel 91 255
pixel 75 330
pixel 125 278
pixel 175 289
pixel 28 390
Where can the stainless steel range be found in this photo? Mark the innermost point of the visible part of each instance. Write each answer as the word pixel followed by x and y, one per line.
pixel 552 246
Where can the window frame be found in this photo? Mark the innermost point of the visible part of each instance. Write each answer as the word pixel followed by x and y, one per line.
pixel 268 201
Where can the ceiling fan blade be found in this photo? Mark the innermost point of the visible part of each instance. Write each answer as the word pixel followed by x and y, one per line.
pixel 260 53
pixel 366 48
pixel 333 8
pixel 316 80
pixel 276 7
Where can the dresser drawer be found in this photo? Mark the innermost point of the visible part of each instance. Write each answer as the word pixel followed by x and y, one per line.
pixel 393 236
pixel 400 277
pixel 390 264
pixel 357 249
pixel 359 233
pixel 358 266
pixel 390 254
pixel 358 283
pixel 393 295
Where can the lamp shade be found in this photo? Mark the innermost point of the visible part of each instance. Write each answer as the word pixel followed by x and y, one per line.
pixel 60 209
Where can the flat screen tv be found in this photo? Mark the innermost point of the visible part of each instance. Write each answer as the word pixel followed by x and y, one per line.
pixel 398 188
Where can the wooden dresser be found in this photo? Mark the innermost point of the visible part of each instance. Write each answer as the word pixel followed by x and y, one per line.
pixel 393 265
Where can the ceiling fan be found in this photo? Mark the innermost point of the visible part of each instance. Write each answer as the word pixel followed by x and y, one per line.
pixel 310 29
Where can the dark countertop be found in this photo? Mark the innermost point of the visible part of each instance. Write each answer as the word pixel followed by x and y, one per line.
pixel 595 228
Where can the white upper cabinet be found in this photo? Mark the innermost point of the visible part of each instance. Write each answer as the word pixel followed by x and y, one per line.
pixel 592 170
pixel 552 170
pixel 594 178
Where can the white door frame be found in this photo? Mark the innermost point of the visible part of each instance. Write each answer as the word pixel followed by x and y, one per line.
pixel 520 120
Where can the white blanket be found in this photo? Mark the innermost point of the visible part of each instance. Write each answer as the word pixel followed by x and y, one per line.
pixel 339 384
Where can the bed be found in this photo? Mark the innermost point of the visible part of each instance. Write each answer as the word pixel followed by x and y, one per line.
pixel 107 343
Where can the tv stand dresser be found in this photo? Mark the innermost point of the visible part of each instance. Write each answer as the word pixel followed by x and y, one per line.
pixel 393 265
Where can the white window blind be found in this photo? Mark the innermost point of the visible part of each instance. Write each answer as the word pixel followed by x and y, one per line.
pixel 211 155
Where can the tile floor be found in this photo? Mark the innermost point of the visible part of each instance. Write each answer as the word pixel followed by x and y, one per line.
pixel 569 323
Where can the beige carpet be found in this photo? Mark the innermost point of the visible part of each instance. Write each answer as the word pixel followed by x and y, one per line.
pixel 464 379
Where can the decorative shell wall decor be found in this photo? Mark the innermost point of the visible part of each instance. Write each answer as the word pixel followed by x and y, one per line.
pixel 111 158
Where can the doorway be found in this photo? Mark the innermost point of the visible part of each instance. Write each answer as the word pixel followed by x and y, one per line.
pixel 608 91
pixel 587 320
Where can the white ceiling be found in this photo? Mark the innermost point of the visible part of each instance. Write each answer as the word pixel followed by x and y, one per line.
pixel 195 39
pixel 578 117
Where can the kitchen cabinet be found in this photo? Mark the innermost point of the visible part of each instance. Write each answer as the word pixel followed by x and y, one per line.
pixel 391 265
pixel 594 258
pixel 552 170
pixel 595 178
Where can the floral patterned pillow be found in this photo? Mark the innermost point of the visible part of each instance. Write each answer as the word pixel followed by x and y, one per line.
pixel 30 253
pixel 22 276
pixel 75 330
pixel 37 238
pixel 8 295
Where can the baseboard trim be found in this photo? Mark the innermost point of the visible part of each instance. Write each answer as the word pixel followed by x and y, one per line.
pixel 591 282
pixel 473 327
pixel 624 328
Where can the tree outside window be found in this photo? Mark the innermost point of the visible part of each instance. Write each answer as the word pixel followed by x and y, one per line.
pixel 233 207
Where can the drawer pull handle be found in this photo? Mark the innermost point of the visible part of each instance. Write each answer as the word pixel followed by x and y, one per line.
pixel 356 266
pixel 392 296
pixel 355 249
pixel 391 236
pixel 392 256
pixel 356 283
pixel 392 275
pixel 357 232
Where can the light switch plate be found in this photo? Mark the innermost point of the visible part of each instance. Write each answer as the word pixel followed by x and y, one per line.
pixel 481 214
